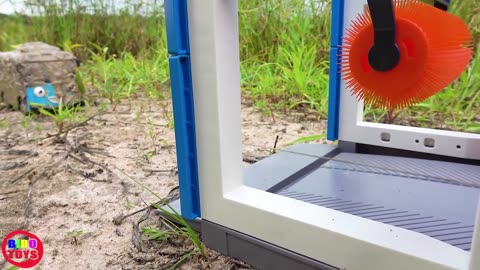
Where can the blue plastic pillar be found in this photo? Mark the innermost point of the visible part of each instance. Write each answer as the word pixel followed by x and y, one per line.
pixel 335 77
pixel 183 106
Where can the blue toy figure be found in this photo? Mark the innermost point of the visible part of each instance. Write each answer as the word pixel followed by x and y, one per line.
pixel 38 75
pixel 42 96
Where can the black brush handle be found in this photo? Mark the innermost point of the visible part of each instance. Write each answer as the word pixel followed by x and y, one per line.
pixel 443 5
pixel 384 55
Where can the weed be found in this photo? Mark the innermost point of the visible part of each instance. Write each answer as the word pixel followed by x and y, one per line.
pixel 162 235
pixel 151 134
pixel 137 26
pixel 125 76
pixel 60 115
pixel 166 145
pixel 114 93
pixel 38 128
pixel 4 124
pixel 171 120
pixel 128 205
pixel 182 230
pixel 80 84
pixel 73 236
pixel 148 155
pixel 307 139
pixel 25 124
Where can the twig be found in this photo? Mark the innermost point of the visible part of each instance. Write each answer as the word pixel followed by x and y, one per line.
pixel 275 144
pixel 98 164
pixel 171 253
pixel 12 192
pixel 23 174
pixel 18 152
pixel 170 197
pixel 137 243
pixel 98 152
pixel 151 171
pixel 76 158
pixel 238 263
pixel 12 165
pixel 390 117
pixel 159 171
pixel 118 220
pixel 87 176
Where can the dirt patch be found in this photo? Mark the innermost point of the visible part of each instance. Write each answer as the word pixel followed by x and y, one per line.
pixel 69 193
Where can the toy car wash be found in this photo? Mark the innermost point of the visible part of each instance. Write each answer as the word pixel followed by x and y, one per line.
pixel 36 75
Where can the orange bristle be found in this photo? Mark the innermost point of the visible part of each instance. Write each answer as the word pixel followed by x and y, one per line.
pixel 435 48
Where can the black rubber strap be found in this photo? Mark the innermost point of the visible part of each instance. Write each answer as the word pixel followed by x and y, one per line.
pixel 441 5
pixel 384 55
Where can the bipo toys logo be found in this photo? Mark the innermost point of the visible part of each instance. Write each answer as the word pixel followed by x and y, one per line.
pixel 22 249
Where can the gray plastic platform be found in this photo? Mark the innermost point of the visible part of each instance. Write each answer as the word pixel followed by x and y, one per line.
pixel 434 201
pixel 436 198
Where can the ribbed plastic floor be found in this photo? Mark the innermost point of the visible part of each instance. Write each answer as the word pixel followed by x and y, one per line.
pixel 435 198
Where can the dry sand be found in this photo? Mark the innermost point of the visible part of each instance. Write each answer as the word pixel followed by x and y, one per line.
pixel 69 193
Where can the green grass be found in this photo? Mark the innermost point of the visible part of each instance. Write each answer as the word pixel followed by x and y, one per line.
pixel 121 29
pixel 64 117
pixel 176 226
pixel 284 49
pixel 126 76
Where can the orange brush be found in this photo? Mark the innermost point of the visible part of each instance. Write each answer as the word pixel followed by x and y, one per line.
pixel 403 51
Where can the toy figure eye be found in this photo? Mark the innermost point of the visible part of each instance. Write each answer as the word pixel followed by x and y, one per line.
pixel 39 91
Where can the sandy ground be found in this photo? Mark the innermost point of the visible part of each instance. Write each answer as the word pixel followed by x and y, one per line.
pixel 69 193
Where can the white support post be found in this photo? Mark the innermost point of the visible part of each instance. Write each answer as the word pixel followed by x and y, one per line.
pixel 475 251
pixel 215 56
pixel 336 238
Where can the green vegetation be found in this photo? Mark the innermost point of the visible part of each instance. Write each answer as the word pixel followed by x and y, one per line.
pixel 73 236
pixel 61 116
pixel 126 75
pixel 89 22
pixel 169 220
pixel 284 50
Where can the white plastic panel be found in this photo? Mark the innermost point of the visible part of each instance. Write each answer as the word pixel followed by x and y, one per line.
pixel 475 252
pixel 352 128
pixel 332 237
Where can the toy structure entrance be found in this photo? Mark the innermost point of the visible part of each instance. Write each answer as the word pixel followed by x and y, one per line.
pixel 349 206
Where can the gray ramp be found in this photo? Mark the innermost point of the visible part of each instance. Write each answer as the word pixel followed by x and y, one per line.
pixel 436 198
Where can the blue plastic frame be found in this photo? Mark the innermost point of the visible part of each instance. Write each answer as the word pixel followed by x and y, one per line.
pixel 333 119
pixel 176 17
pixel 183 106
